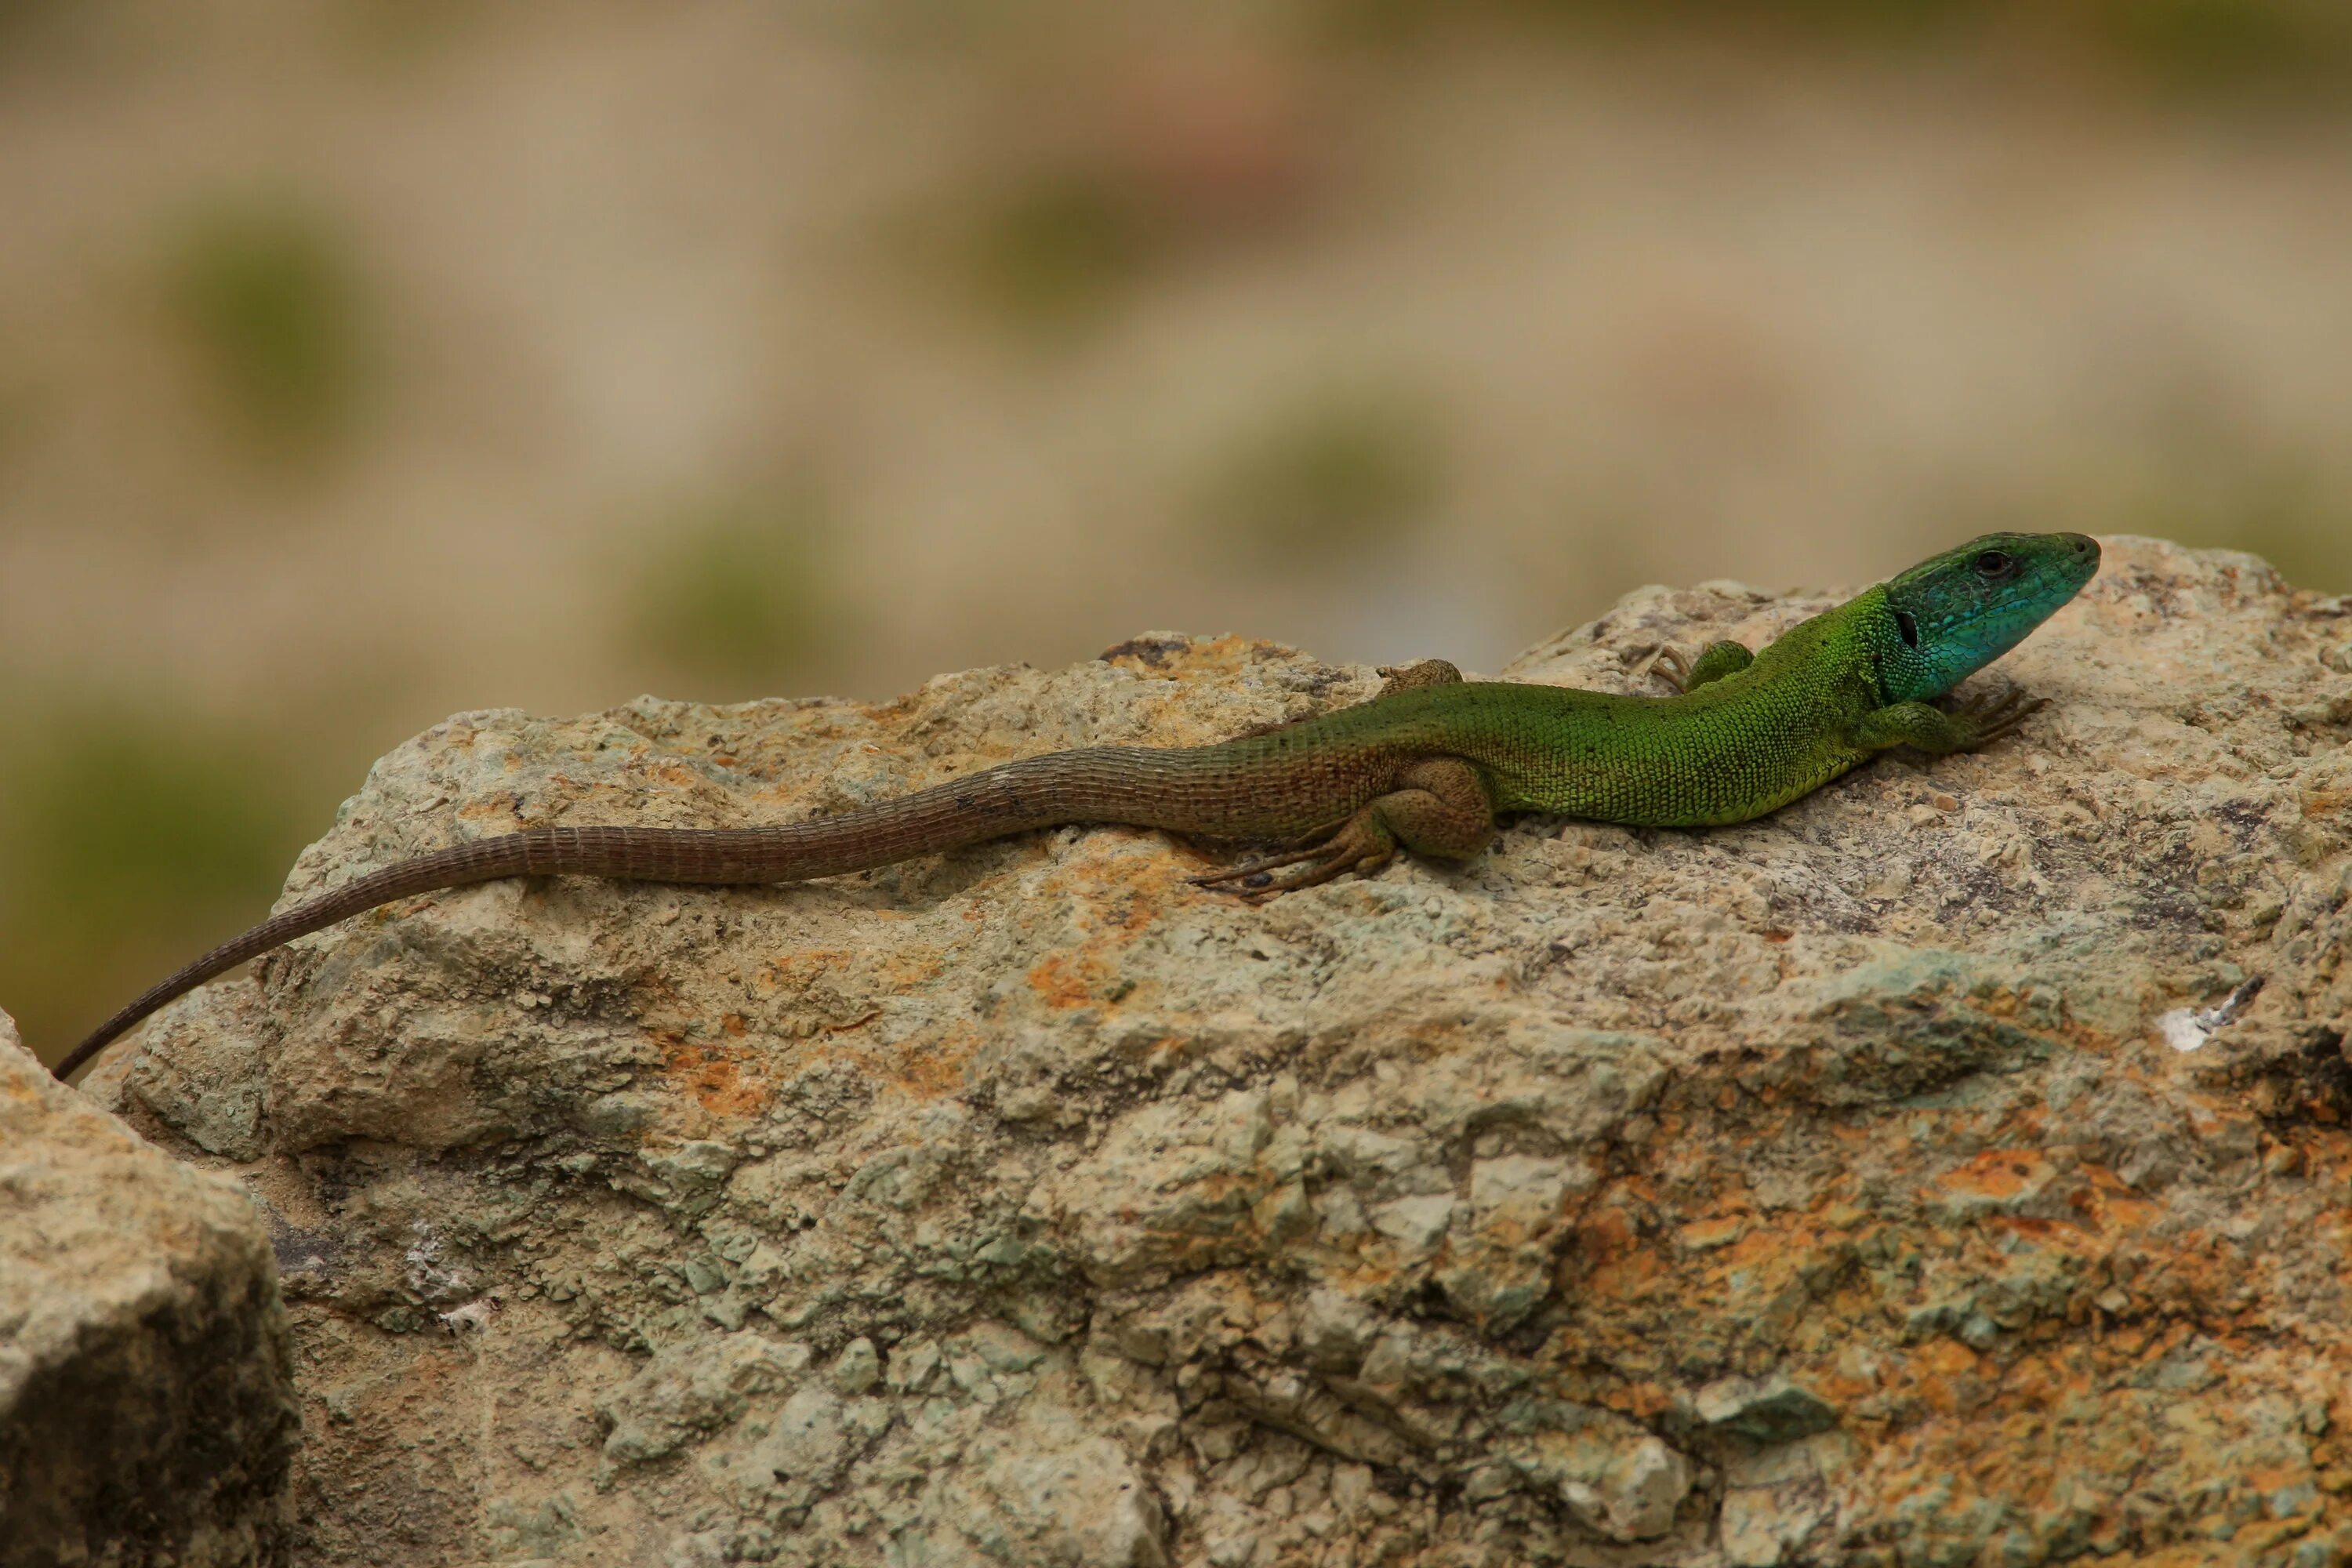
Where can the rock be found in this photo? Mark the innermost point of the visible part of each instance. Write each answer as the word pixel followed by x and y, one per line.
pixel 1635 1497
pixel 146 1411
pixel 1823 1189
pixel 1043 1490
pixel 804 1455
pixel 1757 1528
pixel 856 1370
pixel 694 1388
pixel 1616 1480
pixel 1766 1409
pixel 1502 1271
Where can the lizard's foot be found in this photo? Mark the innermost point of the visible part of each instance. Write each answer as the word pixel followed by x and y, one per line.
pixel 1667 663
pixel 1715 661
pixel 1979 722
pixel 1422 672
pixel 1359 844
pixel 1988 715
pixel 1397 677
pixel 1439 806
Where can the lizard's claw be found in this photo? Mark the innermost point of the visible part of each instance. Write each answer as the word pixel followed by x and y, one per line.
pixel 1992 714
pixel 1669 666
pixel 1258 868
pixel 1684 673
pixel 1360 844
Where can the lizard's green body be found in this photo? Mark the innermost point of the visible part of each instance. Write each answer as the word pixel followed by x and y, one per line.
pixel 1426 765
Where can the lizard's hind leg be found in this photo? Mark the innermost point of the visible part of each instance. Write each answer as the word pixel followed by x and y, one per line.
pixel 1717 660
pixel 1421 672
pixel 1439 808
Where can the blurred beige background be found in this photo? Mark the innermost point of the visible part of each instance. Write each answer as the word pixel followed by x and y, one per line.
pixel 366 360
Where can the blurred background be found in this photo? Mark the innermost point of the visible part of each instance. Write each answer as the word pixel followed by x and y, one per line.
pixel 364 360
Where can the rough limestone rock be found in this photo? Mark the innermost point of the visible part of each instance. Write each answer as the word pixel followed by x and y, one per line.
pixel 1950 1169
pixel 147 1414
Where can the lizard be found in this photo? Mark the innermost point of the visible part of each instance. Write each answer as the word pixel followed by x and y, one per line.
pixel 1426 765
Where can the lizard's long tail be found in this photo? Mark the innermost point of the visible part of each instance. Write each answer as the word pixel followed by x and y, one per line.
pixel 1185 789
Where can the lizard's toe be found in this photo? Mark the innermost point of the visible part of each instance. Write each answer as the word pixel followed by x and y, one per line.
pixel 1360 844
pixel 1329 868
pixel 1988 715
pixel 2011 713
pixel 1667 663
pixel 1255 871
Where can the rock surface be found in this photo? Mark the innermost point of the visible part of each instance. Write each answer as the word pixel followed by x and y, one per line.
pixel 147 1414
pixel 1888 1182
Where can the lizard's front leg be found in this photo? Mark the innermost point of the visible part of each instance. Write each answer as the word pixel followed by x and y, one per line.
pixel 1438 808
pixel 1983 718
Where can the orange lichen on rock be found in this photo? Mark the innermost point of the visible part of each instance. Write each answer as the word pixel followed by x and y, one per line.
pixel 714 1075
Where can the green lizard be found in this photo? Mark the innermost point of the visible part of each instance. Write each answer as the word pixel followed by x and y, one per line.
pixel 1426 765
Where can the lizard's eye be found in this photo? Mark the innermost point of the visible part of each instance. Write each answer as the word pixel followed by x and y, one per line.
pixel 1994 563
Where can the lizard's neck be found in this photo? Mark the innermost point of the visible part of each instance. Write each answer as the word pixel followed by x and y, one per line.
pixel 1843 647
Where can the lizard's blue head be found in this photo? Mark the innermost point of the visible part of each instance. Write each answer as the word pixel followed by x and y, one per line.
pixel 1951 616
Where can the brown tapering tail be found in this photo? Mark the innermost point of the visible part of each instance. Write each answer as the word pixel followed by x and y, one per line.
pixel 1178 788
pixel 452 868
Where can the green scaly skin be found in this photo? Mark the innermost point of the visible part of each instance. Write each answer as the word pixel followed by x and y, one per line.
pixel 1424 766
pixel 1750 733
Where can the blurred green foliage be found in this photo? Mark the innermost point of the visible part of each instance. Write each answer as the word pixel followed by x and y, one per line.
pixel 1055 250
pixel 1332 472
pixel 401 31
pixel 737 593
pixel 130 837
pixel 2194 44
pixel 21 20
pixel 1399 23
pixel 2223 44
pixel 267 292
pixel 2219 495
